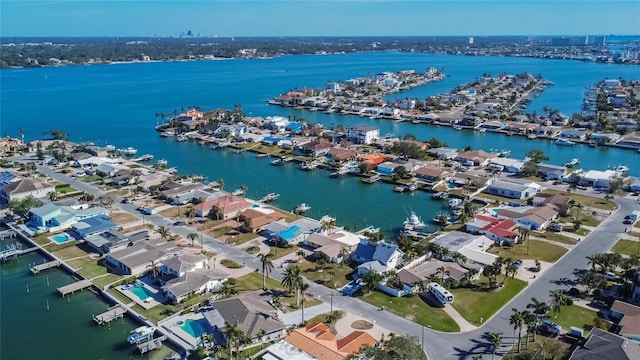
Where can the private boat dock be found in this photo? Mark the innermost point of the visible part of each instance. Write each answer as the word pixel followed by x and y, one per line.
pixel 48 265
pixel 151 344
pixel 73 287
pixel 114 312
pixel 14 250
pixel 10 233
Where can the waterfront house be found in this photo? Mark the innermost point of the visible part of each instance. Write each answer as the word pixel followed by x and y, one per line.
pixel 113 240
pixel 313 148
pixel 251 313
pixel 57 217
pixel 341 155
pixel 626 125
pixel 97 151
pixel 601 344
pixel 316 341
pixel 362 134
pixel 222 206
pixel 123 177
pixel 535 218
pixel 604 138
pixel 378 256
pixel 520 128
pixel 194 282
pixel 254 219
pixel 493 125
pixel 386 168
pixel 230 130
pixel 150 181
pixel 559 119
pixel 452 270
pixel 276 124
pixel 135 260
pixel 179 264
pixel 597 178
pixel 475 158
pixel 508 165
pixel 448 119
pixel 512 190
pixel 20 189
pixel 545 131
pixel 552 172
pixel 443 153
pixel 92 225
pixel 291 233
pixel 464 179
pixel 432 174
pixel 326 247
pixel 574 134
pixel 473 247
pixel 273 141
pixel 106 170
pixel 174 192
pixel 502 231
pixel 629 141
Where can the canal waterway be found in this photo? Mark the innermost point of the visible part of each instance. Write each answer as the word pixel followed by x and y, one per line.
pixel 116 104
pixel 37 323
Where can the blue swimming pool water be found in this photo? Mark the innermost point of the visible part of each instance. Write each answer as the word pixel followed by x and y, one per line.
pixel 60 238
pixel 194 328
pixel 141 291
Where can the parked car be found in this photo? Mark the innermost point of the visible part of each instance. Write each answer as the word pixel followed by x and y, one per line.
pixel 550 328
pixel 178 223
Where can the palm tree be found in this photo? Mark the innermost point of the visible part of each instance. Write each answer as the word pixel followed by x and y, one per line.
pixel 558 299
pixel 458 258
pixel 164 232
pixel 371 279
pixel 244 190
pixel 593 261
pixel 53 195
pixel 267 266
pixel 531 320
pixel 155 268
pixel 442 270
pixel 192 237
pixel 524 235
pixel 221 183
pixel 517 319
pixel 496 340
pixel 261 335
pixel 190 213
pixel 292 280
pixel 300 254
pixel 234 336
pixel 538 307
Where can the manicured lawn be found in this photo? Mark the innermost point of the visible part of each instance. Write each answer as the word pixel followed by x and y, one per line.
pixel 588 201
pixel 64 188
pixel 580 231
pixel 70 253
pixel 555 237
pixel 497 198
pixel 340 278
pixel 481 305
pixel 93 269
pixel 539 250
pixel 279 252
pixel 323 317
pixel 627 247
pixel 586 219
pixel 91 178
pixel 253 281
pixel 81 262
pixel 175 212
pixel 120 296
pixel 157 312
pixel 105 280
pixel 415 309
pixel 574 315
pixel 244 237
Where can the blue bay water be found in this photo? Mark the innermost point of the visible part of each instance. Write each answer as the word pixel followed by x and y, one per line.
pixel 116 104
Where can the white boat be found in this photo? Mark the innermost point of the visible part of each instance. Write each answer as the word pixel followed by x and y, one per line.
pixel 130 151
pixel 413 222
pixel 237 192
pixel 481 130
pixel 145 157
pixel 277 162
pixel 110 148
pixel 457 127
pixel 302 208
pixel 504 153
pixel 162 162
pixel 309 165
pixel 564 142
pixel 270 197
pixel 371 179
pixel 399 188
pixel 182 138
pixel 141 333
pixel 454 203
pixel 412 187
pixel 440 195
pixel 572 163
pixel 621 169
pixel 168 133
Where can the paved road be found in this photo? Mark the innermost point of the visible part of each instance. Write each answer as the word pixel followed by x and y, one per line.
pixel 438 345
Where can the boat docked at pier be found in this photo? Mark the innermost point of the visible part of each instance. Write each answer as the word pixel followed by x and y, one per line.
pixel 162 162
pixel 371 179
pixel 440 195
pixel 309 165
pixel 573 163
pixel 563 142
pixel 270 197
pixel 182 137
pixel 130 151
pixel 140 334
pixel 301 209
pixel 237 192
pixel 413 222
pixel 145 157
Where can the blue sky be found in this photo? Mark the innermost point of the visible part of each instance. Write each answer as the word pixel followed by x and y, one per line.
pixel 317 18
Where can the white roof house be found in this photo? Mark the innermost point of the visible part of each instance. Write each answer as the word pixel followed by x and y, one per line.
pixel 597 178
pixel 472 246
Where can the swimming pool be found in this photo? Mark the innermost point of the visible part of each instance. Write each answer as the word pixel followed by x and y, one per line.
pixel 141 291
pixel 194 328
pixel 60 238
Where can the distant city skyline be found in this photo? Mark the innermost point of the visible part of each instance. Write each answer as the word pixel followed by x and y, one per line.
pixel 318 18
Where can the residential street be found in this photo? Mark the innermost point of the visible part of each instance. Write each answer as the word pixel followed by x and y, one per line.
pixel 438 345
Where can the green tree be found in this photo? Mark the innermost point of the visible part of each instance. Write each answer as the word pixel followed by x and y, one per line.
pixel 557 300
pixel 371 279
pixel 537 156
pixel 517 320
pixel 192 237
pixel 164 232
pixel 292 280
pixel 267 266
pixel 404 348
pixel 496 340
pixel 155 268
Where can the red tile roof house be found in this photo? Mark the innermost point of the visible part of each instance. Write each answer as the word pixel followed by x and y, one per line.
pixel 254 220
pixel 313 148
pixel 502 231
pixel 224 207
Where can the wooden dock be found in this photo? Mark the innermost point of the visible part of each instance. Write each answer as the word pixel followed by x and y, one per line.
pixel 10 233
pixel 76 286
pixel 15 250
pixel 48 265
pixel 114 312
pixel 151 344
